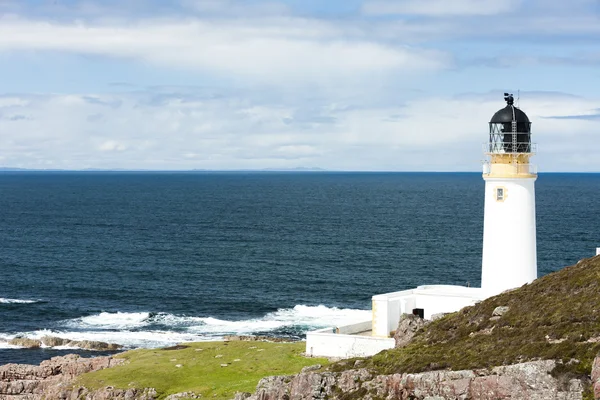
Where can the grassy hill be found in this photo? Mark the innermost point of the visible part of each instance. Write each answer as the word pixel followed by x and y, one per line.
pixel 555 317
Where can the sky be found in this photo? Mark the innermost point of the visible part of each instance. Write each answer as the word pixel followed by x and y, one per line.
pixel 348 85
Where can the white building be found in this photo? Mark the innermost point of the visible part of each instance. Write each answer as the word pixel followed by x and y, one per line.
pixel 509 247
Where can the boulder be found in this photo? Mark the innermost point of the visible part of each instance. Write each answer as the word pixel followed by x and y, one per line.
pixel 408 326
pixel 312 368
pixel 500 311
pixel 94 345
pixel 25 342
pixel 53 341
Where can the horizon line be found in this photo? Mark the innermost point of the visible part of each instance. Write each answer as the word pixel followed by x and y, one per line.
pixel 266 170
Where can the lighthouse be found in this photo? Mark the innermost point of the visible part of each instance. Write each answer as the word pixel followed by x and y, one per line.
pixel 509 258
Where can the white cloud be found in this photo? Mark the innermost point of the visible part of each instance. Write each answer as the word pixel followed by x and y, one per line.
pixel 184 131
pixel 282 50
pixel 12 102
pixel 112 145
pixel 439 7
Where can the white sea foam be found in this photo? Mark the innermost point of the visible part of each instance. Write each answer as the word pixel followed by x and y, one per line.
pixel 128 339
pixel 303 317
pixel 16 301
pixel 156 330
pixel 106 320
pixel 5 345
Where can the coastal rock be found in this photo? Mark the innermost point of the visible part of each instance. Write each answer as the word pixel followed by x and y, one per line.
pixel 595 376
pixel 532 380
pixel 408 326
pixel 500 311
pixel 53 341
pixel 95 345
pixel 26 343
pixel 50 379
pixel 311 368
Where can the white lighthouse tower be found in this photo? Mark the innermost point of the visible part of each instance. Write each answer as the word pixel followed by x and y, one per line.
pixel 509 243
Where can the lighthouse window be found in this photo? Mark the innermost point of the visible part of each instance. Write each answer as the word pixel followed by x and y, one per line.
pixel 500 194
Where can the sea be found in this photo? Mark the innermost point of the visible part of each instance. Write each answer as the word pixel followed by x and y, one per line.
pixel 150 259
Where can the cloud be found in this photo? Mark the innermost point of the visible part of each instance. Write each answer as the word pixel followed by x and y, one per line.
pixel 593 115
pixel 282 50
pixel 17 117
pixel 192 130
pixel 439 7
pixel 112 145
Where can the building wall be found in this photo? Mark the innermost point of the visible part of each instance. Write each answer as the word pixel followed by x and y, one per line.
pixel 434 299
pixel 325 343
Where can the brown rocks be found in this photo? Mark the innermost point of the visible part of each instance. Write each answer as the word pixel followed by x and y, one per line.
pixel 531 381
pixel 52 341
pixel 50 379
pixel 312 368
pixel 25 342
pixel 95 345
pixel 596 377
pixel 408 326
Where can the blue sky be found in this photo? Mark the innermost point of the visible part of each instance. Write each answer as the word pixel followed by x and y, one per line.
pixel 395 85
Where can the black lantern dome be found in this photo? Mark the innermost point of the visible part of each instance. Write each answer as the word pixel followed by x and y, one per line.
pixel 510 129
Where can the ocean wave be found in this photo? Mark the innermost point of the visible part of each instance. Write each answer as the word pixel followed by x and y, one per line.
pixel 5 345
pixel 149 330
pixel 16 301
pixel 128 339
pixel 105 320
pixel 301 315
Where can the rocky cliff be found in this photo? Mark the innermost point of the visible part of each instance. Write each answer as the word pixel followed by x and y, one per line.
pixel 53 379
pixel 526 381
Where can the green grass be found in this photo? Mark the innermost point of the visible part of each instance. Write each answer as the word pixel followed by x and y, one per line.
pixel 201 371
pixel 561 307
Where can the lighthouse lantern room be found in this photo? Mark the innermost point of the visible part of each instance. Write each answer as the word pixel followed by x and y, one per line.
pixel 509 257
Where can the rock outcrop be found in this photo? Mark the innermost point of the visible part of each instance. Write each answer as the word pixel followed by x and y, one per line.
pixel 408 326
pixel 52 379
pixel 52 341
pixel 526 381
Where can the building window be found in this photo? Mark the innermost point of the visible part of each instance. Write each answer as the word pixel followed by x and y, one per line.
pixel 500 194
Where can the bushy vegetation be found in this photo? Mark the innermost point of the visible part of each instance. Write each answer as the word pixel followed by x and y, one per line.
pixel 215 370
pixel 555 317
